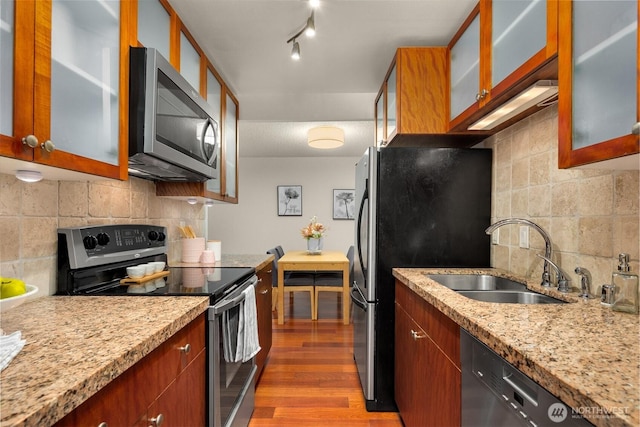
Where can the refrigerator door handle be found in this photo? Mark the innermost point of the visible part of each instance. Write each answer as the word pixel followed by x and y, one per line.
pixel 358 299
pixel 365 197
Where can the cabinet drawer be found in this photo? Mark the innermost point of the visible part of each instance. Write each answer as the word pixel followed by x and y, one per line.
pixel 444 332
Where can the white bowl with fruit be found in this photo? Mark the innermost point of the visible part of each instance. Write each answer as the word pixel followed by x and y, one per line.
pixel 14 292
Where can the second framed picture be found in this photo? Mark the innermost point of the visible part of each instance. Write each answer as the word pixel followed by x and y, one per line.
pixel 289 200
pixel 343 203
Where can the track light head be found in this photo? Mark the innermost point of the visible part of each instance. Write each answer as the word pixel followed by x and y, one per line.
pixel 295 51
pixel 310 28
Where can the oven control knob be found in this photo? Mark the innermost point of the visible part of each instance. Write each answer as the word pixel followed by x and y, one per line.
pixel 103 239
pixel 161 237
pixel 153 235
pixel 90 242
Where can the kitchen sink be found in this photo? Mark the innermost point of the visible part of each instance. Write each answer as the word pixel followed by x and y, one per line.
pixel 511 297
pixel 487 288
pixel 476 282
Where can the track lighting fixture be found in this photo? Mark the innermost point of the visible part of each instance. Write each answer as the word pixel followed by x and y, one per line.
pixel 295 52
pixel 309 30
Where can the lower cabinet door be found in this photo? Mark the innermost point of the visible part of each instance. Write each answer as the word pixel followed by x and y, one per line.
pixel 183 403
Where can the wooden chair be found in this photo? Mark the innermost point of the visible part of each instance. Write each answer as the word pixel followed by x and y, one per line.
pixel 293 282
pixel 330 282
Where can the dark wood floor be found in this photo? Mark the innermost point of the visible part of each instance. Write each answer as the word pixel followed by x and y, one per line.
pixel 310 378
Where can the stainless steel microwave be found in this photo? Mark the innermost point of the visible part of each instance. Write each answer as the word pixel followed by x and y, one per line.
pixel 172 133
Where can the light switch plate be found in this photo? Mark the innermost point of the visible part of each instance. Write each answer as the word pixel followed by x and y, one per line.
pixel 524 237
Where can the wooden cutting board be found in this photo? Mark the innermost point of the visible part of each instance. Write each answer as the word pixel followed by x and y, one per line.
pixel 129 280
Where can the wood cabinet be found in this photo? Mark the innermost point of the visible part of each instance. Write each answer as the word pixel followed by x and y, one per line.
pixel 263 305
pixel 599 101
pixel 68 69
pixel 427 362
pixel 413 98
pixel 502 48
pixel 169 382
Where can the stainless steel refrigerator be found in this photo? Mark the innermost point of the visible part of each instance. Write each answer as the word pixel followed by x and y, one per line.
pixel 417 207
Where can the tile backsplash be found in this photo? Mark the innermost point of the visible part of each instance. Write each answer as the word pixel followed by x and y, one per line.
pixel 30 215
pixel 591 215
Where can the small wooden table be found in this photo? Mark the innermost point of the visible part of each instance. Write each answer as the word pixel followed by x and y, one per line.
pixel 302 261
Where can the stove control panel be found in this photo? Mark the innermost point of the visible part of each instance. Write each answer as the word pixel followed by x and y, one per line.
pixel 97 245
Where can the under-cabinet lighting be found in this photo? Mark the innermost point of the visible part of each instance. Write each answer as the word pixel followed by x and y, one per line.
pixel 538 93
pixel 192 200
pixel 28 176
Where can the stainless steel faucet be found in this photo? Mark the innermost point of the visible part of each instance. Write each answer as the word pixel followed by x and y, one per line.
pixel 585 282
pixel 546 277
pixel 563 277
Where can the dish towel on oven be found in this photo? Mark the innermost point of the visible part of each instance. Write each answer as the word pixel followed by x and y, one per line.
pixel 240 330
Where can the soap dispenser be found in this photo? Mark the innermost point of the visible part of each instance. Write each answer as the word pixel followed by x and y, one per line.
pixel 625 283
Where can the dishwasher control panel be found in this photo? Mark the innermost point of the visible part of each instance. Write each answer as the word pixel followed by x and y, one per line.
pixel 495 393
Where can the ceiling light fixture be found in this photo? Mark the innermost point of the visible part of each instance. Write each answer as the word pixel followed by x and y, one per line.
pixel 314 3
pixel 538 94
pixel 325 137
pixel 28 176
pixel 309 30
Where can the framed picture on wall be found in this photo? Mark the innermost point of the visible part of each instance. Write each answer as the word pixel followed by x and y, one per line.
pixel 343 204
pixel 289 200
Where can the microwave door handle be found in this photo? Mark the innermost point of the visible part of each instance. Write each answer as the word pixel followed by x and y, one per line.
pixel 208 124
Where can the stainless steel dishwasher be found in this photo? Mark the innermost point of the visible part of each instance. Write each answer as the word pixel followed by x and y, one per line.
pixel 494 393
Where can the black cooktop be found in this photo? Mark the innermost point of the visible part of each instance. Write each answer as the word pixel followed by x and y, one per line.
pixel 181 281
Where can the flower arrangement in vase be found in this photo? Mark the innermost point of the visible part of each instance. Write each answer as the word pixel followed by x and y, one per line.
pixel 313 233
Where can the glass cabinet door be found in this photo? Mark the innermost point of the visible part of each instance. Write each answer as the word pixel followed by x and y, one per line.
pixel 519 31
pixel 392 110
pixel 465 69
pixel 230 147
pixel 604 93
pixel 189 62
pixel 154 25
pixel 85 71
pixel 214 98
pixel 380 135
pixel 7 34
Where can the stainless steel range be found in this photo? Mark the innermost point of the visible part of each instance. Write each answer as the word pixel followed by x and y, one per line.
pixel 93 260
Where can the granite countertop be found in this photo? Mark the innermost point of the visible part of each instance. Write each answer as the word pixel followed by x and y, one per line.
pixel 257 261
pixel 77 345
pixel 582 352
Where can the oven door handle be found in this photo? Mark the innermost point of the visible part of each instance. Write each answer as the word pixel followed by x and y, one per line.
pixel 227 304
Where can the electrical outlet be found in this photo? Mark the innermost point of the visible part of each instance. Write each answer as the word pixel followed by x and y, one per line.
pixel 495 237
pixel 524 237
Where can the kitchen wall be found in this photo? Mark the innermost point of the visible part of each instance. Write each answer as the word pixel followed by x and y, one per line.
pixel 30 214
pixel 253 225
pixel 591 215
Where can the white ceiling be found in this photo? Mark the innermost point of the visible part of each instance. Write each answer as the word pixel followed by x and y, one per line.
pixel 340 71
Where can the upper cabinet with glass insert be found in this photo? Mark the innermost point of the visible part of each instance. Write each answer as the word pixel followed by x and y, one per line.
pixel 502 48
pixel 67 74
pixel 599 94
pixel 167 31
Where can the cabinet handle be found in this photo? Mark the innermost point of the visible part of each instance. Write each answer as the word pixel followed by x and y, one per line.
pixel 157 421
pixel 416 335
pixel 266 291
pixel 48 146
pixel 635 129
pixel 186 349
pixel 482 95
pixel 30 140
